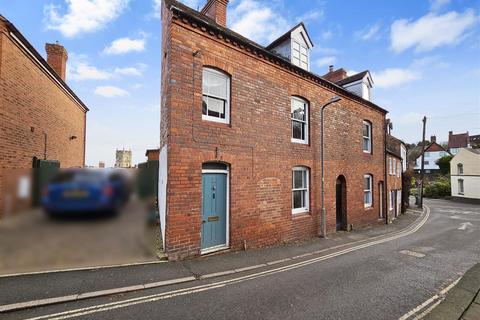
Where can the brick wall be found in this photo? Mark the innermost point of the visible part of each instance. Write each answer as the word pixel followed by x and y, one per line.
pixel 257 146
pixel 394 181
pixel 31 104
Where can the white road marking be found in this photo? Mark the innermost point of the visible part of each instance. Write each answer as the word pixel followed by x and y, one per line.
pixel 151 298
pixel 465 226
pixel 436 299
pixel 412 253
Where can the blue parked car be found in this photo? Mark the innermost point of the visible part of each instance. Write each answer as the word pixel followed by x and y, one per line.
pixel 84 191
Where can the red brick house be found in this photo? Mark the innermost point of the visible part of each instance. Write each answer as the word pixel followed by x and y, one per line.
pixel 240 153
pixel 457 141
pixel 40 115
pixel 394 177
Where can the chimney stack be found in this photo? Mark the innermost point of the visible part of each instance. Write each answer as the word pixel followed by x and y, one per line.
pixel 335 75
pixel 216 10
pixel 57 58
pixel 433 139
pixel 450 133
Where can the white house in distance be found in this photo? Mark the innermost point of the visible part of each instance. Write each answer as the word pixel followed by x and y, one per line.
pixel 433 152
pixel 465 175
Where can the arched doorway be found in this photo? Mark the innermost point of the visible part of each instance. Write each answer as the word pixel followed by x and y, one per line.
pixel 341 203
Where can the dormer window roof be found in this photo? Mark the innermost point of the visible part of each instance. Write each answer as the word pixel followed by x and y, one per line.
pixel 295 46
pixel 360 84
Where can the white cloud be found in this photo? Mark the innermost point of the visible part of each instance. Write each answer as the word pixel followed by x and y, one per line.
pixel 157 8
pixel 326 61
pixel 394 77
pixel 436 5
pixel 369 33
pixel 256 21
pixel 110 91
pixel 312 15
pixel 80 69
pixel 125 45
pixel 431 31
pixel 129 71
pixel 83 15
pixel 327 35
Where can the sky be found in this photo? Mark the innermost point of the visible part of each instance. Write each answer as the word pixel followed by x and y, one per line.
pixel 424 57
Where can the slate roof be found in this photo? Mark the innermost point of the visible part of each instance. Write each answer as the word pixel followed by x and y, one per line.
pixel 355 77
pixel 458 140
pixel 286 35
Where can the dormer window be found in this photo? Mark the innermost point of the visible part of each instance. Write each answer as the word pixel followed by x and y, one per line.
pixel 295 46
pixel 300 55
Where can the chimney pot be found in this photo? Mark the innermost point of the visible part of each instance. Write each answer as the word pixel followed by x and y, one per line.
pixel 330 68
pixel 216 10
pixel 433 139
pixel 57 58
pixel 450 133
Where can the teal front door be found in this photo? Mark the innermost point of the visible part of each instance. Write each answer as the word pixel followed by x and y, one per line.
pixel 214 210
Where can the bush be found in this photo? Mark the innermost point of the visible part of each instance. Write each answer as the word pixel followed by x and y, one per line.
pixel 438 189
pixel 444 164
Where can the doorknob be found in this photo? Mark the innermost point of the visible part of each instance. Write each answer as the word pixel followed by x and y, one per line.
pixel 203 221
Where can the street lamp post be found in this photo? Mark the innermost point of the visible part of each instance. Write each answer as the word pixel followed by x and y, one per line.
pixel 323 222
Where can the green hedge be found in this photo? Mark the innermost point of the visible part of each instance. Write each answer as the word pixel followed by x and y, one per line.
pixel 439 188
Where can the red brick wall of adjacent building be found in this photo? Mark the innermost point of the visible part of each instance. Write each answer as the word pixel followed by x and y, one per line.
pixel 257 145
pixel 394 180
pixel 33 104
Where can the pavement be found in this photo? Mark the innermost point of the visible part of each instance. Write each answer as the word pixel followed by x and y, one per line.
pixel 381 272
pixel 463 301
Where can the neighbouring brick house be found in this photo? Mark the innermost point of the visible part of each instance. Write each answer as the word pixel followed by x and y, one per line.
pixel 40 116
pixel 457 141
pixel 240 156
pixel 395 171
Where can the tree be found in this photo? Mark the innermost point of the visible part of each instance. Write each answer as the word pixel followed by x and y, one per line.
pixel 444 164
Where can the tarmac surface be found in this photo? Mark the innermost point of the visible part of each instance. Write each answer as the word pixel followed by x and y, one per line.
pixel 352 276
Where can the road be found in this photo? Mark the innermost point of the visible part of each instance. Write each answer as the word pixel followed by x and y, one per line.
pixel 382 281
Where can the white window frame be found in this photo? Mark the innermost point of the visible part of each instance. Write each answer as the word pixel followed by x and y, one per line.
pixel 391 200
pixel 298 61
pixel 399 168
pixel 394 167
pixel 461 186
pixel 305 123
pixel 390 166
pixel 370 190
pixel 369 137
pixel 306 190
pixel 226 99
pixel 460 168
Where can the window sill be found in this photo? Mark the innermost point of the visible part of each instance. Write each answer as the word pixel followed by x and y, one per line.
pixel 301 215
pixel 216 120
pixel 300 142
pixel 368 207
